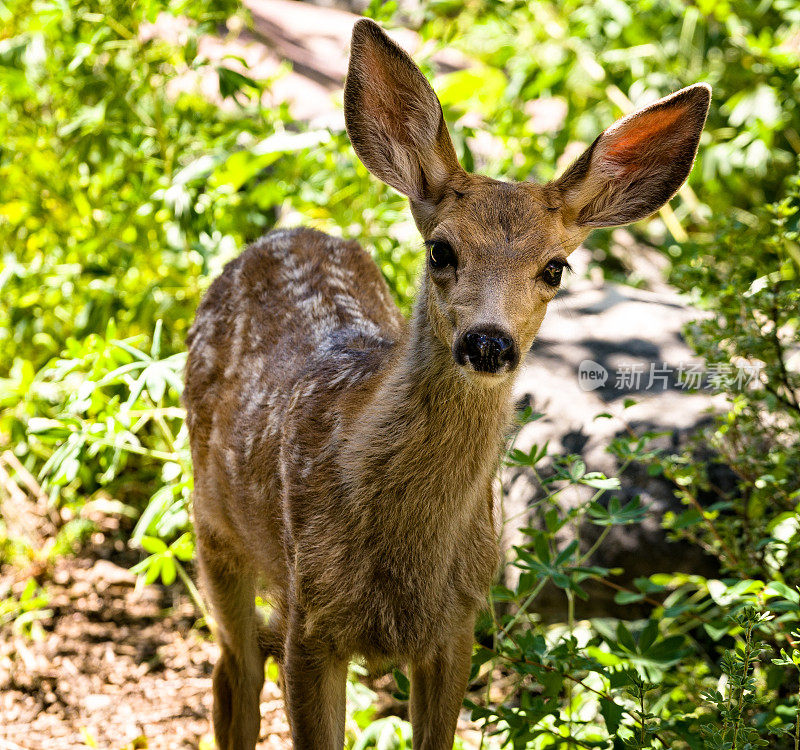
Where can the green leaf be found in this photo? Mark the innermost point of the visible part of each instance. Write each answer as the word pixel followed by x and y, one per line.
pixel 566 553
pixel 231 82
pixel 648 636
pixel 600 481
pixel 612 714
pixel 481 656
pixel 168 570
pixel 552 682
pixel 717 629
pixel 617 514
pixel 552 520
pixel 668 650
pixel 403 685
pixel 576 470
pixel 627 597
pixel 624 638
pixel 183 547
pixel 156 507
pixel 686 519
pixel 153 545
pixel 778 588
pixel 542 549
pixel 153 569
pixel 155 347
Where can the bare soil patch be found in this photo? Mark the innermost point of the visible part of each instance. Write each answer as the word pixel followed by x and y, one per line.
pixel 115 666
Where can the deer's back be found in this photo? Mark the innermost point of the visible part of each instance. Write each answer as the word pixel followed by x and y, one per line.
pixel 272 326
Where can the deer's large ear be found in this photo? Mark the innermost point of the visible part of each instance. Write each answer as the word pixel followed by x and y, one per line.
pixel 638 164
pixel 393 118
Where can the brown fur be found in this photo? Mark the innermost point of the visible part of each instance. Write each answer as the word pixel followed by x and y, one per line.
pixel 343 459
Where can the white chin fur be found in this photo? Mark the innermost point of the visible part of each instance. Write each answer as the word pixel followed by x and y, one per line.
pixel 488 379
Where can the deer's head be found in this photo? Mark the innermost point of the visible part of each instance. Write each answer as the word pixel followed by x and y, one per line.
pixel 496 250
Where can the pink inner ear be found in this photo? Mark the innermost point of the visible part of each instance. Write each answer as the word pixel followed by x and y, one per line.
pixel 649 137
pixel 372 69
pixel 385 97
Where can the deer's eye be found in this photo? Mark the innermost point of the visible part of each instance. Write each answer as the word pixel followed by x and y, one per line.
pixel 441 254
pixel 552 272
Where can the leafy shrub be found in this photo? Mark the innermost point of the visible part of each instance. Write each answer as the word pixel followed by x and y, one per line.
pixel 118 199
pixel 693 674
pixel 599 57
pixel 118 203
pixel 748 280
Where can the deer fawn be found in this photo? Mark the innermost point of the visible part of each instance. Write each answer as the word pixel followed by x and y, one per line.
pixel 343 457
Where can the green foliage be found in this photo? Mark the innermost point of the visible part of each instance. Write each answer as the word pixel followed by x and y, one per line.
pixel 120 196
pixel 748 280
pixel 112 411
pixel 120 199
pixel 89 136
pixel 737 666
pixel 25 610
pixel 389 733
pixel 695 674
pixel 598 57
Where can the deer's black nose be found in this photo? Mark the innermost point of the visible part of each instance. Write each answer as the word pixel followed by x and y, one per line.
pixel 487 350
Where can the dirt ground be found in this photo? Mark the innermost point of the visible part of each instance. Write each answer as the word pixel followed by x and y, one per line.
pixel 114 667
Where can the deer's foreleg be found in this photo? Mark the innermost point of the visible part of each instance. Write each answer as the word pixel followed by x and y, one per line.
pixel 314 688
pixel 437 690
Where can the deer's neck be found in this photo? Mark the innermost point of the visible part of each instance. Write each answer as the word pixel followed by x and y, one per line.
pixel 430 434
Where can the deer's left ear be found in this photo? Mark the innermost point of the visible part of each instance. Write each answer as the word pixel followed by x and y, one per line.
pixel 638 164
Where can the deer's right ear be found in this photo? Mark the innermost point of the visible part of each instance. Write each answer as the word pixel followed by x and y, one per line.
pixel 393 117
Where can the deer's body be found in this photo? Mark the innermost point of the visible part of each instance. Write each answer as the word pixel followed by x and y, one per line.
pixel 349 412
pixel 343 457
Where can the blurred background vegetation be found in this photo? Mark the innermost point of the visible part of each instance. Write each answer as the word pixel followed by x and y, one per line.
pixel 121 197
